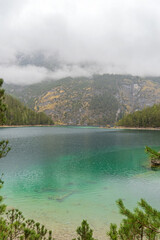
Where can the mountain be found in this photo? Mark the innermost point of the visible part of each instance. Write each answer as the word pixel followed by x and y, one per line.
pixel 18 114
pixel 100 100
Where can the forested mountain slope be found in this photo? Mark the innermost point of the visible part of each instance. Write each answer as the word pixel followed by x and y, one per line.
pixel 148 117
pixel 99 100
pixel 18 114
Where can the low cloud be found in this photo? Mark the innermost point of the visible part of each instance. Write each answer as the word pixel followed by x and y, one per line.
pixel 59 38
pixel 32 74
pixel 23 75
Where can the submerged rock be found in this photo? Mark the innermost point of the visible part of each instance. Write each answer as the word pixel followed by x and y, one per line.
pixel 155 162
pixel 62 197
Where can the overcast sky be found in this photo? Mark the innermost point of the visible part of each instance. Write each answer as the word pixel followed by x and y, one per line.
pixel 56 38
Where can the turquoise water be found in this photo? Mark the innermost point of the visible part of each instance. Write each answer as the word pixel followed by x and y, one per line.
pixel 60 176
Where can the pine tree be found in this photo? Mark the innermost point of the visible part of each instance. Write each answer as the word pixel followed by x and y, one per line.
pixel 84 232
pixel 2 105
pixel 142 223
pixel 152 153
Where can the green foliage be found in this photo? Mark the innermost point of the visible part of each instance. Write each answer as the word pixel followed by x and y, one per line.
pixel 113 233
pixel 15 227
pixel 142 223
pixel 104 106
pixel 20 228
pixel 84 232
pixel 148 117
pixel 4 149
pixel 152 153
pixel 18 114
pixel 2 105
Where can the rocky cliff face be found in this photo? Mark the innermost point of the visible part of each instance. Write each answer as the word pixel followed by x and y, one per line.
pixel 138 93
pixel 100 100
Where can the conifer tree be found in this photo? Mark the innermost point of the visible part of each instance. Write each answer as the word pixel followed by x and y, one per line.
pixel 142 223
pixel 2 105
pixel 152 153
pixel 84 232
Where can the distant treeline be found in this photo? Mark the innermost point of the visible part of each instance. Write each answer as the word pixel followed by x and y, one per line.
pixel 18 114
pixel 148 117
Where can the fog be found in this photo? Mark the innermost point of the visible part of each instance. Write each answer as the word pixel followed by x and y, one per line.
pixel 59 38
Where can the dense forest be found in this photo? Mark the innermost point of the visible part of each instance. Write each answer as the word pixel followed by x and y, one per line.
pixel 19 114
pixel 148 117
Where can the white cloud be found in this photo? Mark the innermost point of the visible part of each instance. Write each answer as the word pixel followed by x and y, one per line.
pixel 32 74
pixel 25 75
pixel 120 36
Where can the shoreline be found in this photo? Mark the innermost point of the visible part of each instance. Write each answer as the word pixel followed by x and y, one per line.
pixel 12 126
pixel 115 127
pixel 137 128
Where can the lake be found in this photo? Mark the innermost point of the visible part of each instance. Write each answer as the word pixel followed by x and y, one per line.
pixel 62 175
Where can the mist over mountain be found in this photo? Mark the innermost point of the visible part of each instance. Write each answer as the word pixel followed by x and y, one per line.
pixel 55 67
pixel 55 39
pixel 38 59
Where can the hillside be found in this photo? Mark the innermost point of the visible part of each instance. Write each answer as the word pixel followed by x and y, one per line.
pixel 18 114
pixel 100 100
pixel 148 117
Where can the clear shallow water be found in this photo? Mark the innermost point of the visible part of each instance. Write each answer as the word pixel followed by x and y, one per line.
pixel 60 176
